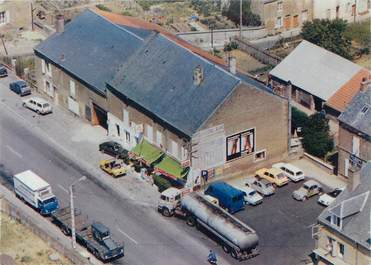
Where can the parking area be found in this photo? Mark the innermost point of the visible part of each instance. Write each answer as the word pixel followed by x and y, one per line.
pixel 283 226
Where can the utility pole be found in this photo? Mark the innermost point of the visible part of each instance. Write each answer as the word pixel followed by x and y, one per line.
pixel 73 228
pixel 32 10
pixel 241 19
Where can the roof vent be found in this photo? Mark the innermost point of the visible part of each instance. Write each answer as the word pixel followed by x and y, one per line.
pixel 198 75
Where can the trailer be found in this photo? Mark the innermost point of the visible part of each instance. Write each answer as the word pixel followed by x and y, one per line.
pixel 95 236
pixel 235 237
pixel 35 191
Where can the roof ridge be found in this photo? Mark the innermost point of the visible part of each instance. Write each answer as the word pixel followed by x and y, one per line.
pixel 117 26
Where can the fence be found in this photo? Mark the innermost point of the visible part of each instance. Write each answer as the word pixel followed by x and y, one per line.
pixel 257 53
pixel 17 214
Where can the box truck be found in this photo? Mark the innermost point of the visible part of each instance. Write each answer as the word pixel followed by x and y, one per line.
pixel 35 191
pixel 229 197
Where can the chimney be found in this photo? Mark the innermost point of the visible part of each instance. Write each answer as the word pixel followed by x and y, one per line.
pixel 198 75
pixel 232 64
pixel 354 177
pixel 364 84
pixel 60 24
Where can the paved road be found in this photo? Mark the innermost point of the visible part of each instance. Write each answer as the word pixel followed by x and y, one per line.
pixel 149 238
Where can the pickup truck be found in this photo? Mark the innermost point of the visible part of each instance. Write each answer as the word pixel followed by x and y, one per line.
pixel 95 236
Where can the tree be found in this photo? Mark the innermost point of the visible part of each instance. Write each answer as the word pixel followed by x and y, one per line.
pixel 316 136
pixel 248 17
pixel 329 34
pixel 298 119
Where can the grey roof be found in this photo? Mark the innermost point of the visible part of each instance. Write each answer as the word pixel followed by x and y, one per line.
pixel 353 207
pixel 358 112
pixel 315 70
pixel 91 48
pixel 159 78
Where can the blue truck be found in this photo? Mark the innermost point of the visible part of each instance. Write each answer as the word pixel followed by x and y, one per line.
pixel 229 197
pixel 35 191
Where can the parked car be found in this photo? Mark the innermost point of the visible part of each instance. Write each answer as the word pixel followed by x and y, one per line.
pixel 20 87
pixel 327 198
pixel 309 189
pixel 114 149
pixel 262 186
pixel 40 105
pixel 292 172
pixel 275 176
pixel 251 196
pixel 112 167
pixel 3 71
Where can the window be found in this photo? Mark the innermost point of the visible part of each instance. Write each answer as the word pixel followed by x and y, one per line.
pixel 149 131
pixel 279 22
pixel 159 138
pixel 127 135
pixel 174 148
pixel 364 109
pixel 126 117
pixel 337 11
pixel 48 69
pixel 184 153
pixel 72 89
pixel 304 15
pixel 335 220
pixel 118 129
pixel 3 17
pixel 42 66
pixel 353 10
pixel 279 6
pixel 260 155
pixel 328 13
pixel 341 249
pixel 355 145
pixel 346 167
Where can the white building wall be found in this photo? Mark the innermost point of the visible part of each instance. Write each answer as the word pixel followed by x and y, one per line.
pixel 327 9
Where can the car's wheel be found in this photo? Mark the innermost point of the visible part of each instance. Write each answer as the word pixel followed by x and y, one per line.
pixel 191 221
pixel 24 104
pixel 166 212
pixel 226 248
pixel 234 254
pixel 37 111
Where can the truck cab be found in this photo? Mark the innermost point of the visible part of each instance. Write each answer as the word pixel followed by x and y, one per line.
pixel 48 205
pixel 169 201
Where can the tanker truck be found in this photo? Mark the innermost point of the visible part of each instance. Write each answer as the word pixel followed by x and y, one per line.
pixel 234 236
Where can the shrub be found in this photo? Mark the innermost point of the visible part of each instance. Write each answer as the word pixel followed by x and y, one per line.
pixel 103 7
pixel 298 119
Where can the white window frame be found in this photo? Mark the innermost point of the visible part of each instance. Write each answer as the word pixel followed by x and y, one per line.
pixel 184 153
pixel 304 16
pixel 346 167
pixel 159 138
pixel 43 66
pixel 256 159
pixel 280 24
pixel 149 133
pixel 356 142
pixel 174 148
pixel 72 89
pixel 279 6
pixel 48 69
pixel 125 117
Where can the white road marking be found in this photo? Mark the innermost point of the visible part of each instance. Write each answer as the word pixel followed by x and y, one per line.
pixel 14 151
pixel 122 232
pixel 62 188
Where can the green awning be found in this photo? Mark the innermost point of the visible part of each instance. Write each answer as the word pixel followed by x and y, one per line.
pixel 170 167
pixel 147 152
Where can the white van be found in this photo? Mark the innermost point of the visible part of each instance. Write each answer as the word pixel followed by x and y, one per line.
pixel 40 105
pixel 292 172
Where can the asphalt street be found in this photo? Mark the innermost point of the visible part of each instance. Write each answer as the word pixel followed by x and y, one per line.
pixel 149 238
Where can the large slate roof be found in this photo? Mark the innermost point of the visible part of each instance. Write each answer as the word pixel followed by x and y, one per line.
pixel 91 48
pixel 354 207
pixel 358 112
pixel 159 78
pixel 315 70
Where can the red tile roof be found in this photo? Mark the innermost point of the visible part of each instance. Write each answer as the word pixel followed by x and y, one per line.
pixel 345 94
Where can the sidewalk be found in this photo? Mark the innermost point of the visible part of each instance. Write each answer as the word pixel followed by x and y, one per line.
pixel 78 141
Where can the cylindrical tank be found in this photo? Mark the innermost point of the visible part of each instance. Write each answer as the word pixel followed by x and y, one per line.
pixel 225 224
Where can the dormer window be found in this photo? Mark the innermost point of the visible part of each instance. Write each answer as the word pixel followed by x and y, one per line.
pixel 365 109
pixel 336 220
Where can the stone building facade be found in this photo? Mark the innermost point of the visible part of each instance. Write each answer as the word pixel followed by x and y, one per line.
pixel 15 14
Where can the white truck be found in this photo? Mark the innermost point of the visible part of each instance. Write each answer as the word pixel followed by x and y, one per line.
pixel 35 191
pixel 235 237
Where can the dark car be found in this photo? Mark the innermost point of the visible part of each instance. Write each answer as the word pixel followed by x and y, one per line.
pixel 3 71
pixel 114 149
pixel 20 87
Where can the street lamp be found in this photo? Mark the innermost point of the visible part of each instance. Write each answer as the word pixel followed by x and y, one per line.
pixel 73 229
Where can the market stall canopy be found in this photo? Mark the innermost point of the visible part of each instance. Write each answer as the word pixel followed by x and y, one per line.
pixel 147 152
pixel 171 168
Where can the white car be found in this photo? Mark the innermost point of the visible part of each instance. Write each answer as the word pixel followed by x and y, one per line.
pixel 292 172
pixel 251 196
pixel 40 105
pixel 327 198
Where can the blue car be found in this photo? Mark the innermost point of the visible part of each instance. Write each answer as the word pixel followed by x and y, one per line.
pixel 20 87
pixel 3 71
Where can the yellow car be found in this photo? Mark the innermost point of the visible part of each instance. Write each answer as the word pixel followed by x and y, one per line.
pixel 274 175
pixel 112 167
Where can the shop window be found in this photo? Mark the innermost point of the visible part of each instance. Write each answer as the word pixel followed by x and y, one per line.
pixel 260 155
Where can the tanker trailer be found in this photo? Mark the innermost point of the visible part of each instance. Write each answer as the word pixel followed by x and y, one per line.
pixel 236 237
